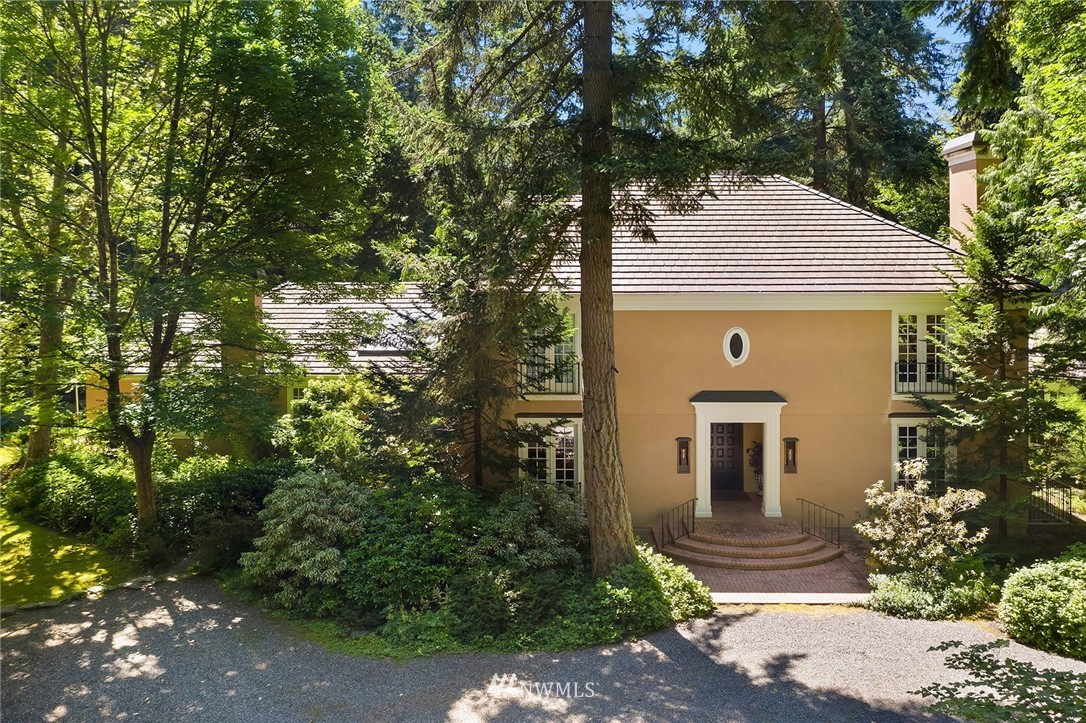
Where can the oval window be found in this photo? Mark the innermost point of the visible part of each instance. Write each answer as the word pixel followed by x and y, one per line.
pixel 736 346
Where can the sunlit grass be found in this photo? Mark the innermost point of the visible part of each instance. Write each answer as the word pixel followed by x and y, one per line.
pixel 37 565
pixel 9 455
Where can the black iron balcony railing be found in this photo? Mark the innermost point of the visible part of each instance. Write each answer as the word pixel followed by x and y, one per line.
pixel 919 377
pixel 559 377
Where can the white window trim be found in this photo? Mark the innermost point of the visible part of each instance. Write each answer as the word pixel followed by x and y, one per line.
pixel 578 446
pixel 573 306
pixel 949 451
pixel 920 311
pixel 733 360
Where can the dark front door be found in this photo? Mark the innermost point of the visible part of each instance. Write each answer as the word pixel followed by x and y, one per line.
pixel 726 456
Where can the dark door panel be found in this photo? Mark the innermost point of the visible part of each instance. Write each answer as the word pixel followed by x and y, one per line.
pixel 726 456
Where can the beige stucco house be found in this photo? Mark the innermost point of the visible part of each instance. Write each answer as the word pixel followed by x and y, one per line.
pixel 774 315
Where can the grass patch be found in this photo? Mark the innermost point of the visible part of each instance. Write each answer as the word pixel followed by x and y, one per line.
pixel 37 565
pixel 9 455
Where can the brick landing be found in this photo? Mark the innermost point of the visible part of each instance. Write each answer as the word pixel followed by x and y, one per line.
pixel 845 575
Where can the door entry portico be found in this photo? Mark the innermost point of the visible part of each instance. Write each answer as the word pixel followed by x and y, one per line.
pixel 715 410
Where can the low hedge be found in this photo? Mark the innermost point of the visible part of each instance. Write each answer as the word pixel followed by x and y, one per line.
pixel 205 502
pixel 1044 605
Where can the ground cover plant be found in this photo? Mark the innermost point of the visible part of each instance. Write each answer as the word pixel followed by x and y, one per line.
pixel 38 565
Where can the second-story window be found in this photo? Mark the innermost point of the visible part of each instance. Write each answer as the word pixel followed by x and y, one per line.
pixel 918 367
pixel 553 370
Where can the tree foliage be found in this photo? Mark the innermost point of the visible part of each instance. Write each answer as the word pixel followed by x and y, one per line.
pixel 1012 344
pixel 605 111
pixel 209 150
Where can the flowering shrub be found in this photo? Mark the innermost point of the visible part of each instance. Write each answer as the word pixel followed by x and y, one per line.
pixel 925 554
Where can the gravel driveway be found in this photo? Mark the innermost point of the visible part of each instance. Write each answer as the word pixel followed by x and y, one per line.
pixel 187 651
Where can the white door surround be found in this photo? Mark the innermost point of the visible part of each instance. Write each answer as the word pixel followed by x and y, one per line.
pixel 723 407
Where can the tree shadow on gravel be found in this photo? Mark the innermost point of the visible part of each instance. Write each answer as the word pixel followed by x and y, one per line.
pixel 670 677
pixel 187 651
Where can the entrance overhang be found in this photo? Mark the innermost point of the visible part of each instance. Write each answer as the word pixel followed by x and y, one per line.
pixel 739 406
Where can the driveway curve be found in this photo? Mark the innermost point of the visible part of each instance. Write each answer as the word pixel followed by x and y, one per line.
pixel 188 651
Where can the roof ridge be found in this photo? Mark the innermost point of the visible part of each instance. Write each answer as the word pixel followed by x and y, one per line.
pixel 865 212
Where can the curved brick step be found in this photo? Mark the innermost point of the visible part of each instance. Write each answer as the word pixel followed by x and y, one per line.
pixel 785 563
pixel 769 539
pixel 807 546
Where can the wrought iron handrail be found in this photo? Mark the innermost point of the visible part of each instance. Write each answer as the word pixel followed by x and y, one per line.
pixel 678 522
pixel 923 377
pixel 822 522
pixel 1050 504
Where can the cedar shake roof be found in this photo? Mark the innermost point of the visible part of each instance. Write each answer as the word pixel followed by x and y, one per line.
pixel 304 317
pixel 775 236
pixel 772 236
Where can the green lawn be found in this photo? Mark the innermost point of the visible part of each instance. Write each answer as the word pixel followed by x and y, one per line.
pixel 38 565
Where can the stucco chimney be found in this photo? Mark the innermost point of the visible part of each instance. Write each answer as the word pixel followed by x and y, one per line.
pixel 966 156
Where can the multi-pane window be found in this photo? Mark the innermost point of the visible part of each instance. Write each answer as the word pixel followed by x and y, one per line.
pixel 554 459
pixel 296 393
pixel 922 441
pixel 552 370
pixel 918 368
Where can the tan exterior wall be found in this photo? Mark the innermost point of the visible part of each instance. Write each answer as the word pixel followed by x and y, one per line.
pixel 832 367
pixel 965 191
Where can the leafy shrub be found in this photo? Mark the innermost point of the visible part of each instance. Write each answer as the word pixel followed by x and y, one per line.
pixel 914 530
pixel 1044 605
pixel 309 520
pixel 926 556
pixel 420 632
pixel 333 426
pixel 1076 551
pixel 413 540
pixel 532 549
pixel 85 490
pixel 211 503
pixel 534 526
pixel 79 490
pixel 1005 690
pixel 902 596
pixel 650 593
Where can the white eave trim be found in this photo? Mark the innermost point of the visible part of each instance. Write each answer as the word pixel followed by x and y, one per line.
pixel 779 302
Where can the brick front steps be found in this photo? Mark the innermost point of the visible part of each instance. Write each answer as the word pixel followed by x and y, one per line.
pixel 775 551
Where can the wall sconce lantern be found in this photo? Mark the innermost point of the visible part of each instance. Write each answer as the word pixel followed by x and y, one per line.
pixel 682 445
pixel 790 455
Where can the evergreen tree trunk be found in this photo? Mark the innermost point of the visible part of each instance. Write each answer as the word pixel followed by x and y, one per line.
pixel 609 525
pixel 819 171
